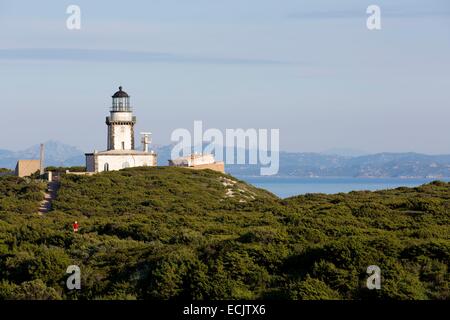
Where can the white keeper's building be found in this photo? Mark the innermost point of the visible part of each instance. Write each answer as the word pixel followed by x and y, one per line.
pixel 120 151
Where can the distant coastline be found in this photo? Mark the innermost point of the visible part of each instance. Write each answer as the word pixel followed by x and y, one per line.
pixel 285 187
pixel 443 178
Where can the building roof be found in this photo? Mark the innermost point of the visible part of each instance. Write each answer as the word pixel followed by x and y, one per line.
pixel 120 94
pixel 196 156
pixel 193 160
pixel 122 153
pixel 28 162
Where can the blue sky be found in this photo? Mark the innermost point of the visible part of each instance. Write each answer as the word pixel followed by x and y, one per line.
pixel 310 68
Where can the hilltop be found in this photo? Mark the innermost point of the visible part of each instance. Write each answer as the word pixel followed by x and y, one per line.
pixel 172 233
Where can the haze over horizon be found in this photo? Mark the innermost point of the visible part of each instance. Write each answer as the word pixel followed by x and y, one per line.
pixel 309 68
pixel 348 152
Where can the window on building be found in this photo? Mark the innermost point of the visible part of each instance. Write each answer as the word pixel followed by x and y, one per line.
pixel 123 145
pixel 106 167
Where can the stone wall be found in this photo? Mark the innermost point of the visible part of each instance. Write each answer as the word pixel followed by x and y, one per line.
pixel 216 166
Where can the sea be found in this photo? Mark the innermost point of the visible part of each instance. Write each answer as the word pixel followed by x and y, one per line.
pixel 285 187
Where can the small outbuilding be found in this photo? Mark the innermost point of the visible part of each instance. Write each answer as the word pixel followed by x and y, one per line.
pixel 25 168
pixel 198 161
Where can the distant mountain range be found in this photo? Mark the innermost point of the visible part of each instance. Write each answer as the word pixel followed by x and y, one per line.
pixel 56 154
pixel 381 165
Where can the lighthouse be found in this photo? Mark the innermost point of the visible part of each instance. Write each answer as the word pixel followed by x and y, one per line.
pixel 120 152
pixel 121 123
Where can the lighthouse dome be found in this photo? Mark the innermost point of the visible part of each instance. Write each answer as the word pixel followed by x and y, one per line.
pixel 121 101
pixel 120 94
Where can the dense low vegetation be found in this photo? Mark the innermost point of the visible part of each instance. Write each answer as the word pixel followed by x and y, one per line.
pixel 172 233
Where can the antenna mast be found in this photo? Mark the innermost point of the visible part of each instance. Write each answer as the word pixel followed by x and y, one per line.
pixel 42 160
pixel 146 140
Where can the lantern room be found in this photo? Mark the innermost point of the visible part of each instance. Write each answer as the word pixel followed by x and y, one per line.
pixel 120 101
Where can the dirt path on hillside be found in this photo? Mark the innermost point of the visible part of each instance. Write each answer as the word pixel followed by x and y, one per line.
pixel 50 195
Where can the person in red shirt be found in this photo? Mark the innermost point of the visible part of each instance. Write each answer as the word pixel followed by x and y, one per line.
pixel 75 227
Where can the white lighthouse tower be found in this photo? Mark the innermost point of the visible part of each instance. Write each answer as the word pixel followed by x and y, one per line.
pixel 120 151
pixel 121 123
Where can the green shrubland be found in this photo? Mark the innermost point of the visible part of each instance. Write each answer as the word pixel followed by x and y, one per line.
pixel 173 233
